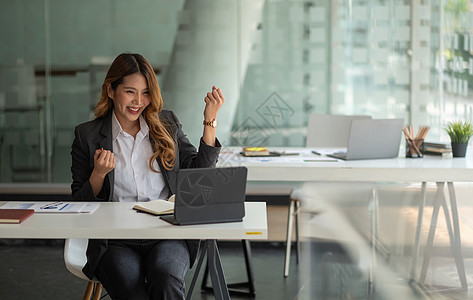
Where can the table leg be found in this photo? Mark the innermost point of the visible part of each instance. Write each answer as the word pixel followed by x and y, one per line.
pixel 197 270
pixel 214 264
pixel 237 288
pixel 216 272
pixel 456 243
pixel 418 230
pixel 374 208
pixel 287 258
pixel 296 219
pixel 454 233
pixel 249 268
pixel 433 226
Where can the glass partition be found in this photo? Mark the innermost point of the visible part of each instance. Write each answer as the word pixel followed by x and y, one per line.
pixel 277 61
pixel 381 241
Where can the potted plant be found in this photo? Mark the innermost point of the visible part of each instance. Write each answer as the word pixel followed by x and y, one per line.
pixel 460 133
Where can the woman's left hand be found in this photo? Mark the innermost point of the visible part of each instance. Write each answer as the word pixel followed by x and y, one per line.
pixel 213 102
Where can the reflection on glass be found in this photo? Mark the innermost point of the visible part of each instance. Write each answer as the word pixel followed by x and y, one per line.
pixel 278 62
pixel 368 241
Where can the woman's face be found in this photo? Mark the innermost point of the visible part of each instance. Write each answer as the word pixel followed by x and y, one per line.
pixel 130 98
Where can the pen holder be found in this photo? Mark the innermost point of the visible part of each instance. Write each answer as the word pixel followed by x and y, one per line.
pixel 414 148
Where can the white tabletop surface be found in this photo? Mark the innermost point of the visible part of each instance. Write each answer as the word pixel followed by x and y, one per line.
pixel 119 220
pixel 299 168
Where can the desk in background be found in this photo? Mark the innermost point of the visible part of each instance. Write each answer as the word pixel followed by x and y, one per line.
pixel 436 169
pixel 293 168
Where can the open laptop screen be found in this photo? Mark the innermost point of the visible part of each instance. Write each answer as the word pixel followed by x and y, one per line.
pixel 210 195
pixel 372 139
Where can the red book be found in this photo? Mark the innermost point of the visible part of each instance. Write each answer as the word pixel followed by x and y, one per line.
pixel 14 216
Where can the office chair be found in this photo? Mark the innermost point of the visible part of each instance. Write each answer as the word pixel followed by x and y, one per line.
pixel 75 259
pixel 323 131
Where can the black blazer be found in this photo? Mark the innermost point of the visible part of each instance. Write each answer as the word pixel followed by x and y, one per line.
pixel 97 134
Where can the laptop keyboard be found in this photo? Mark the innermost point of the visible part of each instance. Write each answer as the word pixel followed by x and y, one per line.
pixel 339 155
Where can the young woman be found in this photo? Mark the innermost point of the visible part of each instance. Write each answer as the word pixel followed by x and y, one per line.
pixel 132 152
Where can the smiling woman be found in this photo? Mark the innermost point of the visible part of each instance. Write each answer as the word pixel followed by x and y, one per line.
pixel 129 100
pixel 131 153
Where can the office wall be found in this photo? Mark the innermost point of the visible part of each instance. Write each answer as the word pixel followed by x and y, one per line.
pixel 387 59
pixel 276 60
pixel 53 59
pixel 212 47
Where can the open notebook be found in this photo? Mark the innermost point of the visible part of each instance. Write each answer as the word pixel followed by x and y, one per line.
pixel 157 207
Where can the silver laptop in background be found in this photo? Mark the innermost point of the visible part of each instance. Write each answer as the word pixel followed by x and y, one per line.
pixel 373 139
pixel 329 131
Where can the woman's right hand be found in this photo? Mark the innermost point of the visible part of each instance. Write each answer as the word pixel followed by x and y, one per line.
pixel 104 162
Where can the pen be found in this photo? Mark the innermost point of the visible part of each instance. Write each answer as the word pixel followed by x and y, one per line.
pixel 320 160
pixel 290 153
pixel 51 205
pixel 64 207
pixel 316 153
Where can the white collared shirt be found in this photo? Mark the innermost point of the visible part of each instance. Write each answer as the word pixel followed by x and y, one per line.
pixel 134 180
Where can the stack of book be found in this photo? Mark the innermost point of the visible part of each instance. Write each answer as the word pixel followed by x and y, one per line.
pixel 255 151
pixel 258 152
pixel 442 149
pixel 263 151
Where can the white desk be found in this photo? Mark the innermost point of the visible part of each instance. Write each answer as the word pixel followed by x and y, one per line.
pixel 119 220
pixel 429 168
pixel 293 168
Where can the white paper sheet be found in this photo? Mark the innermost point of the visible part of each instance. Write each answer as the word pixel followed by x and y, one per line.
pixel 54 207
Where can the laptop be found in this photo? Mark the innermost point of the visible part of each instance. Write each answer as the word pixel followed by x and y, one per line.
pixel 209 195
pixel 329 131
pixel 372 139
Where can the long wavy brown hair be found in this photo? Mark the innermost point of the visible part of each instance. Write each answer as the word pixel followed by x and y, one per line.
pixel 126 64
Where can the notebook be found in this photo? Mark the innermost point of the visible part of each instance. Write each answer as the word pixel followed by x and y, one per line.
pixel 209 195
pixel 14 216
pixel 372 139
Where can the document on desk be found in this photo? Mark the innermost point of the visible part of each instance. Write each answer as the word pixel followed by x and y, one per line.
pixel 321 159
pixel 308 155
pixel 54 207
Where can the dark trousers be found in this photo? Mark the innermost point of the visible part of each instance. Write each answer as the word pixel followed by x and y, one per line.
pixel 144 269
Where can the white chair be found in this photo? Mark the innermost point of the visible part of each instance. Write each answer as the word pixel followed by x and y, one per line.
pixel 75 259
pixel 323 131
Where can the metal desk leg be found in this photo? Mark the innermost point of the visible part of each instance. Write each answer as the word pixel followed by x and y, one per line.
pixel 374 224
pixel 433 226
pixel 216 272
pixel 298 242
pixel 249 271
pixel 454 233
pixel 290 221
pixel 197 270
pixel 238 288
pixel 420 216
pixel 456 243
pixel 215 269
